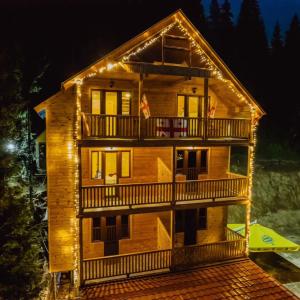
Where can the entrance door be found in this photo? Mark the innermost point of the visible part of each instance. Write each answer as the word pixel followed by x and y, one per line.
pixel 193 112
pixel 192 170
pixel 190 227
pixel 111 111
pixel 111 243
pixel 110 173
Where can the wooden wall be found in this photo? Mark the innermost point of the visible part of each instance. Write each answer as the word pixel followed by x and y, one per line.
pixel 60 113
pixel 147 165
pixel 162 94
pixel 218 162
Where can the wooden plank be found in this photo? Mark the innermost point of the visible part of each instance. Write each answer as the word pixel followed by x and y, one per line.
pixel 168 70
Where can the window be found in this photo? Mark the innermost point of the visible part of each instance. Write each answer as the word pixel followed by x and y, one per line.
pixel 179 221
pixel 203 162
pixel 124 226
pixel 96 102
pixel 180 160
pixel 96 229
pixel 96 165
pixel 180 106
pixel 126 99
pixel 202 218
pixel 125 164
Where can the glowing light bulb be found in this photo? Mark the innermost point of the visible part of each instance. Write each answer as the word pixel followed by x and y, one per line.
pixel 11 147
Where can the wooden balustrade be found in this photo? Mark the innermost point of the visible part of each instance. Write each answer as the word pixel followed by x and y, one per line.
pixel 119 265
pixel 161 193
pixel 206 253
pixel 121 126
pixel 211 189
pixel 228 128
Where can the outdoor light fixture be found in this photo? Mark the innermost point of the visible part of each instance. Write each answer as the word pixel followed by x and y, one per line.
pixel 10 147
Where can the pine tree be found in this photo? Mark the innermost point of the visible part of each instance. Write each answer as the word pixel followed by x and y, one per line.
pixel 252 48
pixel 276 42
pixel 227 33
pixel 21 260
pixel 214 24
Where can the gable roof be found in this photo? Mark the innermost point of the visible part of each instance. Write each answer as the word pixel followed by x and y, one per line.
pixel 151 32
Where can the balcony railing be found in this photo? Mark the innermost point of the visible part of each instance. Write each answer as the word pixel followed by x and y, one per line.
pixel 119 126
pixel 120 265
pixel 104 196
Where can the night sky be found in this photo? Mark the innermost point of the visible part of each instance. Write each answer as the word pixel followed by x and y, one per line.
pixel 272 11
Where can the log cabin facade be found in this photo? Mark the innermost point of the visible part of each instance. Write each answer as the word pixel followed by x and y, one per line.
pixel 130 195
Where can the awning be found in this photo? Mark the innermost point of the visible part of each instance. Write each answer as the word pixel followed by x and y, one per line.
pixel 264 239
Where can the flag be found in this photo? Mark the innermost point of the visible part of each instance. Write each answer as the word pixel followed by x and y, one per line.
pixel 171 127
pixel 212 105
pixel 144 106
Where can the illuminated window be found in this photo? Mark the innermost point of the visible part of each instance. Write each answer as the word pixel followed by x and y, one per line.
pixel 193 103
pixel 126 100
pixel 96 102
pixel 125 164
pixel 202 218
pixel 180 106
pixel 96 165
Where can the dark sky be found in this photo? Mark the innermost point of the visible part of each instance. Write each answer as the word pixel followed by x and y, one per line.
pixel 272 10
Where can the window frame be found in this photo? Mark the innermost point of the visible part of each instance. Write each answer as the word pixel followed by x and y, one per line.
pixel 100 156
pixel 120 163
pixel 93 240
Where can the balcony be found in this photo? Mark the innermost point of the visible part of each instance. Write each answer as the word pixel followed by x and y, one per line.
pixel 127 265
pixel 133 127
pixel 132 196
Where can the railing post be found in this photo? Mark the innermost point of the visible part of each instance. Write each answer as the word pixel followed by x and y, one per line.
pixel 139 101
pixel 205 107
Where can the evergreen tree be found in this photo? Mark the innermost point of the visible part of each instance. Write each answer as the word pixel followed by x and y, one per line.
pixel 21 260
pixel 226 36
pixel 214 24
pixel 252 48
pixel 276 42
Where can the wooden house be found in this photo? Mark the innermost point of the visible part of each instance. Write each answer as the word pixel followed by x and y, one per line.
pixel 138 158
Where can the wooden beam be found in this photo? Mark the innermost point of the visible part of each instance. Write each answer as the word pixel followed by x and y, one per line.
pixel 205 93
pixel 146 68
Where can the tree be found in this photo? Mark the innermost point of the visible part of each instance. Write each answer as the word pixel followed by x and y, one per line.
pixel 252 48
pixel 21 261
pixel 227 33
pixel 214 24
pixel 276 42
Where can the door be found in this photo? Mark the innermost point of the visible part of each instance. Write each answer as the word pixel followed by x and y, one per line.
pixel 111 243
pixel 193 114
pixel 111 111
pixel 190 227
pixel 111 174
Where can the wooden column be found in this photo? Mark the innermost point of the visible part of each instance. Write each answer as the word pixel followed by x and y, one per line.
pixel 139 101
pixel 173 206
pixel 80 253
pixel 205 93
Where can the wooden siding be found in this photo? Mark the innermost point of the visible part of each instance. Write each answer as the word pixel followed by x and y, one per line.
pixel 60 114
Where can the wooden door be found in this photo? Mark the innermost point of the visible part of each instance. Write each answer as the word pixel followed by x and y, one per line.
pixel 190 227
pixel 111 173
pixel 111 243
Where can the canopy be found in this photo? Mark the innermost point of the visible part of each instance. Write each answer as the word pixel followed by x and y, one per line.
pixel 264 239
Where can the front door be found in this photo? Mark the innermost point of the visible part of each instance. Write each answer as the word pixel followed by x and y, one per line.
pixel 111 173
pixel 190 227
pixel 111 243
pixel 111 111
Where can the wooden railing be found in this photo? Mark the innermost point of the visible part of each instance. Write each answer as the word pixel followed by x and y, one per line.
pixel 228 128
pixel 127 264
pixel 119 265
pixel 206 253
pixel 121 126
pixel 211 189
pixel 161 193
pixel 126 194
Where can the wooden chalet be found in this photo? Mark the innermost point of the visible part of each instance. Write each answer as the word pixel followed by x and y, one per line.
pixel 131 194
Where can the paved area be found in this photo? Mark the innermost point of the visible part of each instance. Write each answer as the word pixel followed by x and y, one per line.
pixel 234 280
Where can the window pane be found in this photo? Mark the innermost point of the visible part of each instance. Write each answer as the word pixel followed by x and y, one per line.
pixel 126 99
pixel 111 103
pixel 96 230
pixel 124 226
pixel 193 107
pixel 202 218
pixel 124 219
pixel 180 106
pixel 203 161
pixel 179 159
pixel 179 226
pixel 192 159
pixel 125 161
pixel 96 103
pixel 96 165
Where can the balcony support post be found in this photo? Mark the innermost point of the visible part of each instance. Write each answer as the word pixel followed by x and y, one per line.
pixel 173 207
pixel 141 81
pixel 80 252
pixel 205 93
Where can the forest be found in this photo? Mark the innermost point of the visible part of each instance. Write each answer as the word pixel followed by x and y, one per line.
pixel 43 43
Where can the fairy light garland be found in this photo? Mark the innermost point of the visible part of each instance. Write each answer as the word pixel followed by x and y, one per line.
pixel 76 187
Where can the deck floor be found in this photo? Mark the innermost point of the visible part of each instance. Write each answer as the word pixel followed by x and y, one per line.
pixel 240 279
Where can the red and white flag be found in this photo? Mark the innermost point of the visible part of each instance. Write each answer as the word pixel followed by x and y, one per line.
pixel 212 108
pixel 144 106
